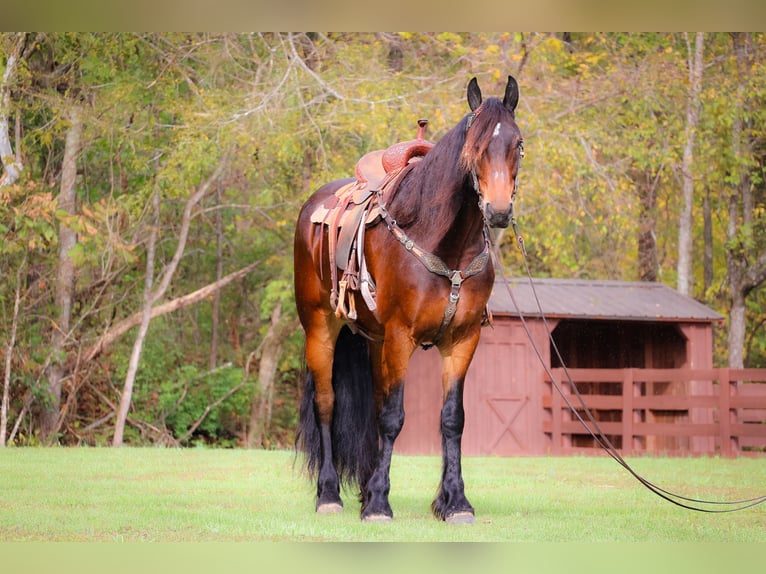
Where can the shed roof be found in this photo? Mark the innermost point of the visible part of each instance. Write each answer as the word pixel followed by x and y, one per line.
pixel 604 300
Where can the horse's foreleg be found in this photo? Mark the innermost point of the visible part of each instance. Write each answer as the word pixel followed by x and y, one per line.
pixel 375 504
pixel 451 503
pixel 389 367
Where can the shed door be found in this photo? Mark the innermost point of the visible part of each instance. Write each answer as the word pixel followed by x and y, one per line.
pixel 502 398
pixel 498 398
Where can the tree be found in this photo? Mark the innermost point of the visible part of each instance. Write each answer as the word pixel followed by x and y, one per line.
pixel 695 65
pixel 65 277
pixel 152 294
pixel 12 167
pixel 4 404
pixel 11 162
pixel 606 120
pixel 745 253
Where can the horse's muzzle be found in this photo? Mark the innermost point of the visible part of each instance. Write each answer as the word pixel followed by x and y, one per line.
pixel 495 218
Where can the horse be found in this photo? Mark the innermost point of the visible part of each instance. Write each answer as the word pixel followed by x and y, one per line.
pixel 425 249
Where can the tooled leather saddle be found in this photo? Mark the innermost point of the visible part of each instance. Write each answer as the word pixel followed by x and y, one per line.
pixel 353 208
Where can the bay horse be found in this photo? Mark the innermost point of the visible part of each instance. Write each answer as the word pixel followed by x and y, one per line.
pixel 427 253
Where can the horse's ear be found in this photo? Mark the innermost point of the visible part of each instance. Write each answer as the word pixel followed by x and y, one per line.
pixel 474 94
pixel 511 95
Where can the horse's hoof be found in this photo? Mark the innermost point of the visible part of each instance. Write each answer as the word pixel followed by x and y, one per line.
pixel 377 518
pixel 330 508
pixel 460 518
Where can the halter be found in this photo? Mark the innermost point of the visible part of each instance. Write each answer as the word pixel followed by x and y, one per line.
pixel 475 179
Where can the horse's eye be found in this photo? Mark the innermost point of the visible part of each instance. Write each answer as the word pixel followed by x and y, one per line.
pixel 521 150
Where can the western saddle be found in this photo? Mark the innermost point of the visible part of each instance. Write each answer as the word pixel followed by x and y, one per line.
pixel 353 208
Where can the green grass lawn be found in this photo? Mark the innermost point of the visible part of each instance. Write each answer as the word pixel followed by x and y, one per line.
pixel 197 495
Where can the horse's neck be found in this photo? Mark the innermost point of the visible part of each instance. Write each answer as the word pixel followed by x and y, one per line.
pixel 448 222
pixel 465 236
pixel 436 203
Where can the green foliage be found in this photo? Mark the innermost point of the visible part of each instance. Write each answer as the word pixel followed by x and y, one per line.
pixel 184 401
pixel 173 395
pixel 601 113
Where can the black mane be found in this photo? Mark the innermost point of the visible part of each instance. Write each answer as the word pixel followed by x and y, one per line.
pixel 432 190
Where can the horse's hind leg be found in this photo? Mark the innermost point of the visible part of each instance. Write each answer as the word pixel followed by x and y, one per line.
pixel 319 358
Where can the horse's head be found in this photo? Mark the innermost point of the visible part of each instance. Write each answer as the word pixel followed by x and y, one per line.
pixel 493 150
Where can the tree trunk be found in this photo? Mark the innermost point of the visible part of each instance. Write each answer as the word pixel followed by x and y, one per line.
pixel 648 261
pixel 218 275
pixel 707 255
pixel 12 165
pixel 746 267
pixel 49 422
pixel 734 263
pixel 135 356
pixel 119 329
pixel 268 353
pixel 692 119
pixel 737 327
pixel 152 295
pixel 4 405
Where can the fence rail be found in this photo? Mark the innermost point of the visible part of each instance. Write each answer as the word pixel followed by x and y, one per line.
pixel 672 411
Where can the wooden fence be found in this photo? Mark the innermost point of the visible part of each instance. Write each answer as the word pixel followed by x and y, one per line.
pixel 663 411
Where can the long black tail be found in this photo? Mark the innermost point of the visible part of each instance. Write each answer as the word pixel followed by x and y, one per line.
pixel 354 428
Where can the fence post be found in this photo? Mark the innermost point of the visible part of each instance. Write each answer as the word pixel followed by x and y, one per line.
pixel 627 411
pixel 724 413
pixel 556 404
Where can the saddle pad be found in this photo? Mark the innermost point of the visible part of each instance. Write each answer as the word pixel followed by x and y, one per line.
pixel 360 194
pixel 324 215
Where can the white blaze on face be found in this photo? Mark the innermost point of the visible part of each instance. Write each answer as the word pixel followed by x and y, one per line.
pixel 498 176
pixel 497 187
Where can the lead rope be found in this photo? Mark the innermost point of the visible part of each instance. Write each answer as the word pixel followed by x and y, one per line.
pixel 599 434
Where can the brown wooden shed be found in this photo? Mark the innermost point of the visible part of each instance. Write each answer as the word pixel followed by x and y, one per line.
pixel 595 324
